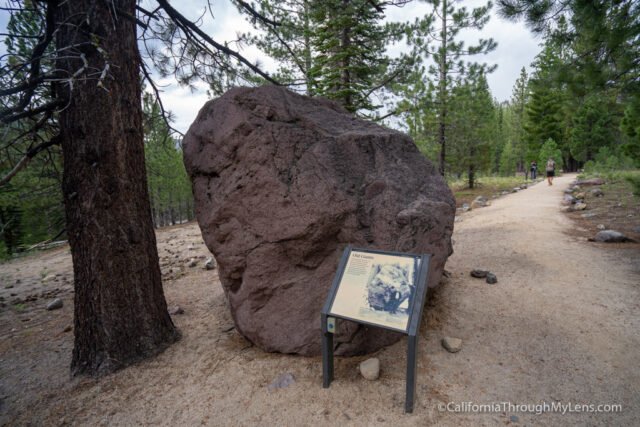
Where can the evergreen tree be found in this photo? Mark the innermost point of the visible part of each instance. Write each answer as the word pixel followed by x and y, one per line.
pixel 549 150
pixel 630 126
pixel 519 99
pixel 31 204
pixel 472 127
pixel 592 128
pixel 168 182
pixel 545 109
pixel 450 68
pixel 288 42
pixel 349 52
pixel 508 160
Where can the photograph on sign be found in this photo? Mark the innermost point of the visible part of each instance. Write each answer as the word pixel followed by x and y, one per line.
pixel 377 288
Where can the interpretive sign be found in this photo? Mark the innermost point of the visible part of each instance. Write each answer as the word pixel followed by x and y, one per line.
pixel 377 288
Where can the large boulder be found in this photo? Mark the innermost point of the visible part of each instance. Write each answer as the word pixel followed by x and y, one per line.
pixel 282 184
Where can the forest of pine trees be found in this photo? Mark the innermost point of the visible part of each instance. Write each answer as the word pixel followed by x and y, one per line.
pixel 579 101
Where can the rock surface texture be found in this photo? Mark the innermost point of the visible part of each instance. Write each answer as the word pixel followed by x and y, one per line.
pixel 282 184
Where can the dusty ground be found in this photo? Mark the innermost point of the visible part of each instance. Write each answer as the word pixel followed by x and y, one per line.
pixel 618 209
pixel 560 325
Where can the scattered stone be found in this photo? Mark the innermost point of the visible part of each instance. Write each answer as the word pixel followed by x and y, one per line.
pixel 210 264
pixel 282 381
pixel 592 181
pixel 515 189
pixel 514 418
pixel 579 206
pixel 192 263
pixel 276 213
pixel 568 199
pixel 601 227
pixel 465 207
pixel 589 215
pixel 610 236
pixel 55 304
pixel 479 274
pixel 492 279
pixel 452 345
pixel 9 287
pixel 370 369
pixel 479 202
pixel 580 195
pixel 176 310
pixel 596 192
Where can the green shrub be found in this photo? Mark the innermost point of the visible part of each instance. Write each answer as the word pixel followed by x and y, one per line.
pixel 634 179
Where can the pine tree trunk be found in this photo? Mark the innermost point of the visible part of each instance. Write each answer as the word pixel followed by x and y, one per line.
pixel 345 75
pixel 443 91
pixel 120 311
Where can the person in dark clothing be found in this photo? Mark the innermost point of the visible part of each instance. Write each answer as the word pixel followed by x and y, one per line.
pixel 534 170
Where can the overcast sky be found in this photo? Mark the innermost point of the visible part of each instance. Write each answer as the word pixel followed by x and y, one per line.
pixel 516 48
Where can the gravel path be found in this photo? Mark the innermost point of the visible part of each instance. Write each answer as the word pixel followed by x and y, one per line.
pixel 562 323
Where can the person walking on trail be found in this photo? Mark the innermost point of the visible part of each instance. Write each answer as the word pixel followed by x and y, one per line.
pixel 534 170
pixel 551 170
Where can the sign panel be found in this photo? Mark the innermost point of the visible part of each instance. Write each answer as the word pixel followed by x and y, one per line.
pixel 377 288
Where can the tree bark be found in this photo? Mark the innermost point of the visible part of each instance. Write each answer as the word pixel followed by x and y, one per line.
pixel 443 91
pixel 120 311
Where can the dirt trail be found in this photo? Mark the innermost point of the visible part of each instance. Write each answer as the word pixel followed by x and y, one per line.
pixel 560 325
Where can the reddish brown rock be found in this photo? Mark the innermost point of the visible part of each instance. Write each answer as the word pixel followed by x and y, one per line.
pixel 282 183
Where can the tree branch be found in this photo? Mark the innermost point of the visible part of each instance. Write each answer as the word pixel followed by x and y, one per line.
pixel 246 6
pixel 185 23
pixel 31 153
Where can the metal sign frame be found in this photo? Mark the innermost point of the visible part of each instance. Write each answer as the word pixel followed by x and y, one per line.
pixel 412 331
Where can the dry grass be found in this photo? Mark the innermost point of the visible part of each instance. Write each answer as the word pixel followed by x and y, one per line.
pixel 485 186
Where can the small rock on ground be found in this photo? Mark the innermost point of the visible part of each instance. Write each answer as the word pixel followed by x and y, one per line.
pixel 491 278
pixel 282 381
pixel 610 236
pixel 601 227
pixel 579 206
pixel 370 369
pixel 452 345
pixel 479 202
pixel 479 274
pixel 176 310
pixel 192 262
pixel 210 264
pixel 55 304
pixel 592 181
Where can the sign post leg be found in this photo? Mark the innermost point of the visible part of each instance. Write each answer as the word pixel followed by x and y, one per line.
pixel 412 342
pixel 327 354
